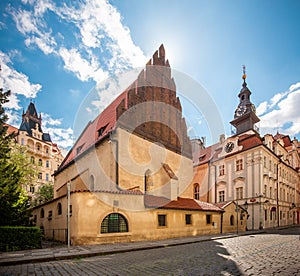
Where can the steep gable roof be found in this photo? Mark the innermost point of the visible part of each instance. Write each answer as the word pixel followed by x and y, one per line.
pixel 145 89
pixel 92 134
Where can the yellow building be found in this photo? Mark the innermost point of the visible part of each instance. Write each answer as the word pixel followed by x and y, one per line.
pixel 42 151
pixel 129 174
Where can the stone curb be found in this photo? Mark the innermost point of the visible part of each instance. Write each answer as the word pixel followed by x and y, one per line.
pixel 92 253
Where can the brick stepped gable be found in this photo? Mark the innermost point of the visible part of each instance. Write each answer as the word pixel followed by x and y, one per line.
pixel 166 126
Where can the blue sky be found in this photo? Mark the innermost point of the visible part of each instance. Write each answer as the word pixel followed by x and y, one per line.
pixel 56 54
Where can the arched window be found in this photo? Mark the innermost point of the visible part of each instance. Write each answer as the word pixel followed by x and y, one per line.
pixel 147 180
pixel 92 183
pixel 59 209
pixel 196 191
pixel 114 223
pixel 32 159
pixel 231 220
pixel 42 214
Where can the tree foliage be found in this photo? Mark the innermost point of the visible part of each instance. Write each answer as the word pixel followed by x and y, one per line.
pixel 44 194
pixel 13 200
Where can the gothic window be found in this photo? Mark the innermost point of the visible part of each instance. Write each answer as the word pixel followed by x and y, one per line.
pixel 114 223
pixel 196 191
pixel 42 213
pixel 59 209
pixel 92 183
pixel 148 180
pixel 231 220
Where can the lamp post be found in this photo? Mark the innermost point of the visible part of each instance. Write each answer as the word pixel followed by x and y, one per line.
pixel 237 217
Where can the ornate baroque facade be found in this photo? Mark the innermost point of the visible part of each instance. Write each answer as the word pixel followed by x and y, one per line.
pixel 42 151
pixel 260 173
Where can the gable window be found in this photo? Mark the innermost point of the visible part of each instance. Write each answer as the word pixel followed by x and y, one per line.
pixel 196 191
pixel 239 165
pixel 239 193
pixel 208 219
pixel 221 196
pixel 114 223
pixel 162 220
pixel 221 170
pixel 188 219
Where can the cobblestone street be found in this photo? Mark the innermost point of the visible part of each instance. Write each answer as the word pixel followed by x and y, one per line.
pixel 273 253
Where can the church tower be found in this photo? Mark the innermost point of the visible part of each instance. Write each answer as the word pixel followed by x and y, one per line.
pixel 244 115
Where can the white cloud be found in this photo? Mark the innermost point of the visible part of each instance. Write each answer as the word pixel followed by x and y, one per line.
pixel 262 108
pixel 83 68
pixel 48 120
pixel 284 115
pixel 17 82
pixel 99 22
pixel 62 137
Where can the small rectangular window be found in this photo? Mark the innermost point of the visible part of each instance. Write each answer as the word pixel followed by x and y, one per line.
pixel 208 219
pixel 162 220
pixel 188 219
pixel 221 170
pixel 239 165
pixel 221 196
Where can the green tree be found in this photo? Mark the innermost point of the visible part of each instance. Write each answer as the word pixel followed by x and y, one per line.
pixel 13 200
pixel 44 194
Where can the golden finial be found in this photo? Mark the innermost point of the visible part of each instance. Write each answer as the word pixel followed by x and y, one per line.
pixel 244 73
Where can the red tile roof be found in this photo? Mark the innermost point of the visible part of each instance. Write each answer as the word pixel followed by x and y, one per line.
pixel 90 135
pixel 11 129
pixel 180 204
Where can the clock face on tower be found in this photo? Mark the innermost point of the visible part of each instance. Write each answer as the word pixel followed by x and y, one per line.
pixel 229 147
pixel 241 109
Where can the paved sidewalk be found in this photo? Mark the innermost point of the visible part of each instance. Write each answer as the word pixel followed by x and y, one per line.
pixel 62 252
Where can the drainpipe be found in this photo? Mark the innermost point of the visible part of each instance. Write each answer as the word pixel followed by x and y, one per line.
pixel 117 160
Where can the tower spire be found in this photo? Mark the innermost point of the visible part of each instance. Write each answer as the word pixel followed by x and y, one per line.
pixel 244 76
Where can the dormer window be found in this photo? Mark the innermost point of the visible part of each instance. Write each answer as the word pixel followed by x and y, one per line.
pixel 78 149
pixel 101 130
pixel 201 157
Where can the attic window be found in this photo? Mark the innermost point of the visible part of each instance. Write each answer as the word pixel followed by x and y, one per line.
pixel 78 149
pixel 101 130
pixel 201 157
